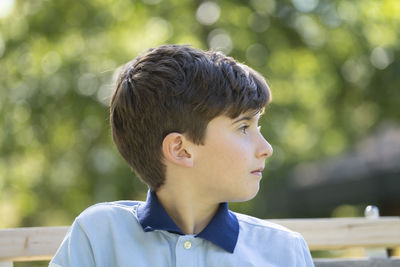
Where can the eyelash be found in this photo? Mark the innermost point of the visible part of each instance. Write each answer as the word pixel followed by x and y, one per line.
pixel 244 128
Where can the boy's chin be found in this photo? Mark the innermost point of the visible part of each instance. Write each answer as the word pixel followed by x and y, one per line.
pixel 245 197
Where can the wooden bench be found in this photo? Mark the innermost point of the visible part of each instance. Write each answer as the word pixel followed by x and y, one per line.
pixel 40 243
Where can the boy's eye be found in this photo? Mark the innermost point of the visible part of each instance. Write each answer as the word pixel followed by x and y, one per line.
pixel 243 129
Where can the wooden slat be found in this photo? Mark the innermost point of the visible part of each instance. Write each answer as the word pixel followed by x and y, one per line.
pixel 40 243
pixel 30 244
pixel 366 262
pixel 339 233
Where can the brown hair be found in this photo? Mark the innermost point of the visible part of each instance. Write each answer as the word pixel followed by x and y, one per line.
pixel 175 88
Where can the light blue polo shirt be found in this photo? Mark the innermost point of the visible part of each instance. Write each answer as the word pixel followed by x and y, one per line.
pixel 133 233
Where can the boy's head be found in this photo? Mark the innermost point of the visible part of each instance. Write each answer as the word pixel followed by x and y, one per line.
pixel 175 88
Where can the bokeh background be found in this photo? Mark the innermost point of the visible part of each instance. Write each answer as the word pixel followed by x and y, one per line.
pixel 333 67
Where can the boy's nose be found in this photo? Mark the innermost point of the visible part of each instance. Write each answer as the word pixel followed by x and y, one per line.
pixel 264 149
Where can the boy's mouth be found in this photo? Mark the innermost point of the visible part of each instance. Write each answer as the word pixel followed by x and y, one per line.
pixel 258 171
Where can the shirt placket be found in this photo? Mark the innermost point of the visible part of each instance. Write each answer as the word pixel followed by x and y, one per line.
pixel 185 252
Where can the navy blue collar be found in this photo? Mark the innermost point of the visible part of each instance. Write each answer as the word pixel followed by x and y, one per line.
pixel 223 229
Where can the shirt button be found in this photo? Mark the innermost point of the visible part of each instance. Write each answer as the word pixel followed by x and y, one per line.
pixel 187 245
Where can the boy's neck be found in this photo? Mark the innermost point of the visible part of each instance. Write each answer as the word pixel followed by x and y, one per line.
pixel 190 212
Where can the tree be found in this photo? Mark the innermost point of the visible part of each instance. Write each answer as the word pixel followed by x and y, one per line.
pixel 332 65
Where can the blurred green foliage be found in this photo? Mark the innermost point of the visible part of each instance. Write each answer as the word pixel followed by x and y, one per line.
pixel 333 67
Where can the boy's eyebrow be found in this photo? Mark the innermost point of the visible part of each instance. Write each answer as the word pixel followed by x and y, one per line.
pixel 245 118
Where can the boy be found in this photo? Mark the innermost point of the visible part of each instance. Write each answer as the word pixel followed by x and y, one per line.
pixel 186 122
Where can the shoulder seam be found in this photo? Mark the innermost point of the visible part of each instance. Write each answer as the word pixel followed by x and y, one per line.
pixel 278 228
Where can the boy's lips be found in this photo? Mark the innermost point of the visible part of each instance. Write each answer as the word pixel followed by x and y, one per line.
pixel 258 171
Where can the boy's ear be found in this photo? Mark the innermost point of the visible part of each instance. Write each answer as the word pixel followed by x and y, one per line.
pixel 176 149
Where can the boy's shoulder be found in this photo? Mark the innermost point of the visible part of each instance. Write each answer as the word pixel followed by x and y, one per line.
pixel 271 242
pixel 250 223
pixel 109 211
pixel 112 206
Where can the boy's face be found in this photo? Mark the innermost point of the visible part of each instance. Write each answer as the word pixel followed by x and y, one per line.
pixel 228 166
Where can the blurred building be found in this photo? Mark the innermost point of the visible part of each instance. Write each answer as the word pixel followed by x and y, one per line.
pixel 368 174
